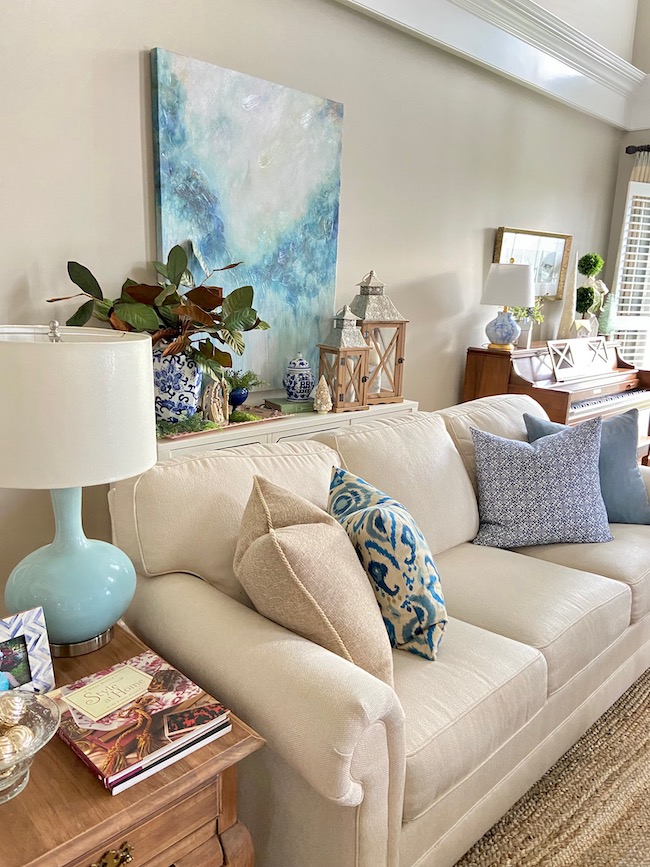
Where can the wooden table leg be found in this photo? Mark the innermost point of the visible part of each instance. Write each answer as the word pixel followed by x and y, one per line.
pixel 237 846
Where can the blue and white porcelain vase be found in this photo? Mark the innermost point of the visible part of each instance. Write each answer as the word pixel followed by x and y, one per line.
pixel 177 385
pixel 299 380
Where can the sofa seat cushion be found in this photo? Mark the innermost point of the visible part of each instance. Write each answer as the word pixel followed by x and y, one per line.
pixel 626 559
pixel 412 459
pixel 569 615
pixel 482 689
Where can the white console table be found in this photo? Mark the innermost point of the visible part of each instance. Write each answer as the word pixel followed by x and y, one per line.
pixel 293 427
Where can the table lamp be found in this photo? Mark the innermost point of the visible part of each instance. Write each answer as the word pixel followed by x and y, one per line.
pixel 508 285
pixel 82 408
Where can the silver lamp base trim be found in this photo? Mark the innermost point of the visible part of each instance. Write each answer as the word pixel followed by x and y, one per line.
pixel 78 648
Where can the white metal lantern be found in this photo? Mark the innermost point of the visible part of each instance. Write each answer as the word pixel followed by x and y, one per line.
pixel 344 363
pixel 384 330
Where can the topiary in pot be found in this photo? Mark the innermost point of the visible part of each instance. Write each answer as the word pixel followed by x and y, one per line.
pixel 590 264
pixel 584 299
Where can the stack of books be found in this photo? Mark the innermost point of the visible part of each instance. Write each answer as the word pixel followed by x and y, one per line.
pixel 130 720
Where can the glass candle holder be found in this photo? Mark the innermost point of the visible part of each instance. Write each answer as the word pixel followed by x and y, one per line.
pixel 27 722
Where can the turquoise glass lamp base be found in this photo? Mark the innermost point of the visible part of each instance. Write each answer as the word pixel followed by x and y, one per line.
pixel 503 332
pixel 83 585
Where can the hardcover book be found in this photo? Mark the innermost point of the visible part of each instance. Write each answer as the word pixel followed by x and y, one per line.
pixel 134 718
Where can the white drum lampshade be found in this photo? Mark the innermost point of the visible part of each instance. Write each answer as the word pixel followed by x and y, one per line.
pixel 508 285
pixel 84 407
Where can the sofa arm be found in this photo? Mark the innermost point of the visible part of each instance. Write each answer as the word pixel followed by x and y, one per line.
pixel 313 708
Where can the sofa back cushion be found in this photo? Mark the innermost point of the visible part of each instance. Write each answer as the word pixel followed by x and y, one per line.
pixel 412 459
pixel 502 415
pixel 184 515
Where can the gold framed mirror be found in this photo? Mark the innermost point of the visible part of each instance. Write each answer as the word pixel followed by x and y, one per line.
pixel 547 252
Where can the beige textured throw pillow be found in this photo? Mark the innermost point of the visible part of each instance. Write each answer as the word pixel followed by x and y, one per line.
pixel 300 570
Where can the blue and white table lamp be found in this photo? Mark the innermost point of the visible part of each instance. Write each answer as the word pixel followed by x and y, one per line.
pixel 508 285
pixel 84 398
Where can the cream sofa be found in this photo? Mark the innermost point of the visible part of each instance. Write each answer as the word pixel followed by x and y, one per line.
pixel 358 774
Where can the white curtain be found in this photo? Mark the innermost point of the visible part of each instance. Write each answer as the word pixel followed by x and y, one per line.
pixel 641 168
pixel 632 278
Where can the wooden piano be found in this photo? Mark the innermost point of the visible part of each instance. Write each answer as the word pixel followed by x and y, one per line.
pixel 574 380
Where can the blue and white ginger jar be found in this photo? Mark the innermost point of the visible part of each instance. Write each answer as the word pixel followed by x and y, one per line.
pixel 177 385
pixel 299 380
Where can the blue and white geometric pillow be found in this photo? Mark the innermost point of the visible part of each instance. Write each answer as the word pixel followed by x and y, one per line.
pixel 543 493
pixel 397 559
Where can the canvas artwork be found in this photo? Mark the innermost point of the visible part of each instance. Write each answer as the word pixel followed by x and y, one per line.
pixel 249 171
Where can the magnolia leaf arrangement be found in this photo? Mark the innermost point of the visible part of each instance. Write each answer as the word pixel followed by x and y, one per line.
pixel 194 320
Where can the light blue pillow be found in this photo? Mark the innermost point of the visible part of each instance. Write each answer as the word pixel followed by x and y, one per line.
pixel 540 493
pixel 622 487
pixel 397 559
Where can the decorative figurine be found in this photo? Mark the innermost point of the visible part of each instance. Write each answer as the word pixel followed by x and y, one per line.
pixel 215 402
pixel 322 397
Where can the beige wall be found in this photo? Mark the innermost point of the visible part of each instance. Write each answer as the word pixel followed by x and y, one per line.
pixel 436 154
pixel 609 22
pixel 641 54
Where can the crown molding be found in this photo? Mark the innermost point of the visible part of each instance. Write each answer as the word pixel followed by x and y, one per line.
pixel 524 42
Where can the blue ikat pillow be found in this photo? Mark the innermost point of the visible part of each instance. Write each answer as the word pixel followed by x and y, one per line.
pixel 397 559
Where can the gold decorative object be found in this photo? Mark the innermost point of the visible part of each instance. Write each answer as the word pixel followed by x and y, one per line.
pixel 344 363
pixel 34 720
pixel 12 707
pixel 116 857
pixel 384 330
pixel 20 736
pixel 7 749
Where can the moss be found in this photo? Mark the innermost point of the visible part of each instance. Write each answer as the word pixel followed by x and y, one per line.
pixel 188 424
pixel 237 416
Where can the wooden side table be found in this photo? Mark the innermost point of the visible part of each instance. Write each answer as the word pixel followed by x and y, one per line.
pixel 185 815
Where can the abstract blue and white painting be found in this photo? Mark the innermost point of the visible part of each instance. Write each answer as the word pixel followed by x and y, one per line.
pixel 249 171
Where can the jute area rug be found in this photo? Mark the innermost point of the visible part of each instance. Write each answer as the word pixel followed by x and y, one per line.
pixel 592 809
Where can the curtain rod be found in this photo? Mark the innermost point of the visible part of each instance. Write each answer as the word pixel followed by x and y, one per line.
pixel 632 149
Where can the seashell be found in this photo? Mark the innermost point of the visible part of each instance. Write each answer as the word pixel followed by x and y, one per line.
pixel 7 749
pixel 12 707
pixel 21 737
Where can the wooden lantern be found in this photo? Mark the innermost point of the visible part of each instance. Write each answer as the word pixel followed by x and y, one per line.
pixel 384 330
pixel 344 363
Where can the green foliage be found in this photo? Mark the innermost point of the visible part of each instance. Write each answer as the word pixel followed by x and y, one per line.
pixel 188 424
pixel 590 264
pixel 180 316
pixel 242 379
pixel 534 313
pixel 585 298
pixel 237 416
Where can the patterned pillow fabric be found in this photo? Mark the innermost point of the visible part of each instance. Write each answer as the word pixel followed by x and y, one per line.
pixel 398 561
pixel 298 567
pixel 540 493
pixel 622 487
